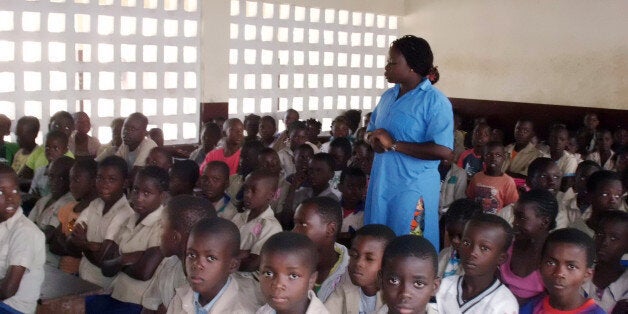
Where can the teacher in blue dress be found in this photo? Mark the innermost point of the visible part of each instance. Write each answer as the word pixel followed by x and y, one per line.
pixel 411 130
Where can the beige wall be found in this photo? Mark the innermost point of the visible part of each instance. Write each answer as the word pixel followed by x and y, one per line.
pixel 564 52
pixel 215 37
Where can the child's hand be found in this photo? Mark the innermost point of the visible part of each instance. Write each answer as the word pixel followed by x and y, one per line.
pixel 298 179
pixel 79 232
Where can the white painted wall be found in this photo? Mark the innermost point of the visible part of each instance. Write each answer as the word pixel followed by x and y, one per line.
pixel 563 52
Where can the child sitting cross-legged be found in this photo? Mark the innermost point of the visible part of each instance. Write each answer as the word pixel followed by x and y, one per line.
pixel 454 221
pixel 133 254
pixel 566 264
pixel 23 246
pixel 211 259
pixel 408 276
pixel 483 248
pixel 320 219
pixel 257 223
pixel 287 275
pixel 360 291
pixel 179 216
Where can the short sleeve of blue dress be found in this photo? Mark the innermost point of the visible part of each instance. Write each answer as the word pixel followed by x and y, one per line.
pixel 400 184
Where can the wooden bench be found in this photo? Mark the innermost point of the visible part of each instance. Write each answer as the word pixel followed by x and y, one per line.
pixel 64 293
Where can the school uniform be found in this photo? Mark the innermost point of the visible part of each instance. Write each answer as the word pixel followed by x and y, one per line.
pixel 40 184
pixel 304 193
pixel 452 188
pixel 105 151
pixel 608 165
pixel 522 159
pixel 352 218
pixel 429 309
pixel 136 158
pixel 161 290
pixel 334 279
pixel 198 155
pixel 286 158
pixel 279 199
pixel 44 216
pixel 315 307
pixel 236 182
pixel 567 163
pixel 135 237
pixel 495 299
pixel 93 145
pixel 254 233
pixel 23 244
pixel 99 228
pixel 334 182
pixel 349 299
pixel 225 208
pixel 449 263
pixel 228 300
pixel 608 297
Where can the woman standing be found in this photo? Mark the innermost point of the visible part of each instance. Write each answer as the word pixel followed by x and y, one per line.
pixel 411 130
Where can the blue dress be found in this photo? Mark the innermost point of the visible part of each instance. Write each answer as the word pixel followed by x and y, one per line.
pixel 404 191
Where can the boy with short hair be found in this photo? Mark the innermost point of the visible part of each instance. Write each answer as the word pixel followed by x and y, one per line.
pixel 471 159
pixel 340 150
pixel 604 189
pixel 248 162
pixel 211 259
pixel 453 184
pixel 284 255
pixel 160 157
pixel 183 177
pixel 566 162
pixel 179 216
pixel 320 218
pixel 359 292
pixel 257 223
pixel 320 171
pixel 408 276
pixel 298 136
pixel 55 147
pixel 22 266
pixel 492 188
pixel 230 153
pixel 566 264
pixel 210 135
pixel 26 132
pixel 135 144
pixel 214 181
pixel 522 152
pixel 80 143
pixel 484 246
pixel 454 221
pixel 353 188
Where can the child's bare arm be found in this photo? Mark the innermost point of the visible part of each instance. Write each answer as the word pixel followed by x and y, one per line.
pixel 142 265
pixel 111 261
pixel 11 282
pixel 49 232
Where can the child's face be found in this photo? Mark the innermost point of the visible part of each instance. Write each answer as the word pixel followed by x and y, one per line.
pixel 365 260
pixel 169 237
pixel 564 269
pixel 559 140
pixel 270 162
pixel 549 179
pixel 248 161
pixel 611 243
pixel 133 132
pixel 208 140
pixel 110 184
pixel 523 132
pixel 266 129
pixel 55 149
pixel 607 196
pixel 340 159
pixel 527 224
pixel 319 173
pixel 582 176
pixel 156 158
pixel 146 195
pixel 214 182
pixel 352 189
pixel 340 130
pixel 178 185
pixel 481 249
pixel 252 127
pixel 308 222
pixel 481 136
pixel 494 159
pixel 257 193
pixel 572 145
pixel 290 117
pixel 285 279
pixel 209 262
pixel 313 130
pixel 58 178
pixel 297 138
pixel 302 159
pixel 454 230
pixel 408 283
pixel 235 133
pixel 10 199
pixel 81 184
pixel 24 133
pixel 82 123
pixel 157 135
pixel 604 140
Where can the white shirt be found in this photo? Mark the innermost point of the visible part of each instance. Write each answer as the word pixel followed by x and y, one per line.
pixel 254 233
pixel 495 299
pixel 168 276
pixel 138 156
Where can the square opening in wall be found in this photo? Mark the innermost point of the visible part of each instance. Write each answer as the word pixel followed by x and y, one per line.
pixel 149 106
pixel 128 25
pixel 8 82
pixel 105 107
pixel 82 81
pixel 105 53
pixel 33 108
pixel 58 81
pixel 171 28
pixel 31 51
pixel 268 10
pixel 171 80
pixel 128 53
pixel 31 21
pixel 170 107
pixel 315 15
pixel 6 21
pixel 248 105
pixel 127 106
pixel 56 22
pixel 56 52
pixel 266 105
pixel 189 105
pixel 189 80
pixel 32 81
pixel 171 54
pixel 105 24
pixel 171 131
pixel 149 53
pixel 106 80
pixel 149 80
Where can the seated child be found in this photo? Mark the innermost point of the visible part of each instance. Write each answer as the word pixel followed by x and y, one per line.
pixel 183 177
pixel 362 157
pixel 268 159
pixel 180 214
pixel 359 292
pixel 157 135
pixel 287 275
pixel 492 188
pixel 454 221
pixel 83 189
pixel 26 132
pixel 320 171
pixel 160 157
pixel 320 218
pixel 471 159
pixel 604 189
pixel 535 215
pixel 248 162
pixel 453 184
pixel 80 143
pixel 340 150
pixel 267 130
pixel 102 219
pixel 483 247
pixel 521 153
pixel 110 148
pixel 7 149
pixel 251 126
pixel 298 136
pixel 566 264
pixel 210 135
pixel 56 146
pixel 214 181
pixel 313 130
pixel 211 259
pixel 230 152
pixel 339 129
pixel 610 279
pixel 302 156
pixel 257 223
pixel 567 162
pixel 603 154
pixel 353 188
pixel 575 200
pixel 135 144
pixel 132 256
pixel 408 276
pixel 44 214
pixel 22 266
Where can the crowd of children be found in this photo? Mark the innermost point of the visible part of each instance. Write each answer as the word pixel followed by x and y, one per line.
pixel 262 222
